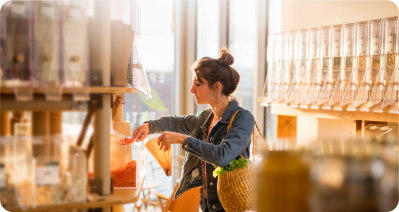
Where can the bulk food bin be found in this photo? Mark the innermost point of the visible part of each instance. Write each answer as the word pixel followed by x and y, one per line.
pixel 128 163
pixel 17 175
pixel 61 173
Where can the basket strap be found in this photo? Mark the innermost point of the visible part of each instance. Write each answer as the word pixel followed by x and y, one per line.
pixel 231 120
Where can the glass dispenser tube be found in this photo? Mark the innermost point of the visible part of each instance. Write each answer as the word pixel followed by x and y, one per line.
pixel 18 74
pixel 269 89
pixel 361 65
pixel 300 69
pixel 313 68
pixel 348 47
pixel 280 65
pixel 383 94
pixel 75 49
pixel 47 44
pixel 287 68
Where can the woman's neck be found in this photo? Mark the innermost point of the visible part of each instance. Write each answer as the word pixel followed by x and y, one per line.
pixel 219 106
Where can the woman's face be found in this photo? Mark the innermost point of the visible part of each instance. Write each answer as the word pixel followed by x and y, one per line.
pixel 202 93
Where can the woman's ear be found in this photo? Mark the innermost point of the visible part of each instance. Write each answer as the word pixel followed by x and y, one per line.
pixel 218 86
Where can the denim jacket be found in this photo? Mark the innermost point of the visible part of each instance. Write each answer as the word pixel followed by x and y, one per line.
pixel 221 149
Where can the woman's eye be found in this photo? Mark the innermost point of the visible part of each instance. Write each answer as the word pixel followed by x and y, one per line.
pixel 197 85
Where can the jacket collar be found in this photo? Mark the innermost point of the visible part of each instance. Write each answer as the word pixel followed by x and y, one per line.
pixel 226 115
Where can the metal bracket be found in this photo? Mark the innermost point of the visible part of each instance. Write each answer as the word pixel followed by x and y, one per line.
pixel 98 98
pixel 96 77
pixel 96 186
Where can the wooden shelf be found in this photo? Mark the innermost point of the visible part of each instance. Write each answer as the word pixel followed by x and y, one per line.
pixel 385 116
pixel 119 197
pixel 94 90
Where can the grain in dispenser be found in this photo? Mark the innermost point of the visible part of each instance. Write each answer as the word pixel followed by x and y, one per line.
pixel 359 65
pixel 348 48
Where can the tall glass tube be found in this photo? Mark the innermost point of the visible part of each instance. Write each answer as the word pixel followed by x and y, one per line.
pixel 269 89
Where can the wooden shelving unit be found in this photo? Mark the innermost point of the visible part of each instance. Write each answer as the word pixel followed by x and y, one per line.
pixel 92 90
pixel 118 197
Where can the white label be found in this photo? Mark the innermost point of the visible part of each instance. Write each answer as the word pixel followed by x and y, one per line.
pixel 336 48
pixel 303 47
pixel 374 41
pixel 389 43
pixel 2 176
pixel 75 12
pixel 48 174
pixel 18 8
pixel 47 9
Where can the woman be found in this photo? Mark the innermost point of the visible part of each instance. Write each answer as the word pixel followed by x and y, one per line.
pixel 204 136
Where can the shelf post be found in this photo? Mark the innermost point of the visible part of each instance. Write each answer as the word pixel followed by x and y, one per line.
pixel 100 49
pixel 5 123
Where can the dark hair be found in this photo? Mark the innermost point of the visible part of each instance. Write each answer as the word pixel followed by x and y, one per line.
pixel 214 70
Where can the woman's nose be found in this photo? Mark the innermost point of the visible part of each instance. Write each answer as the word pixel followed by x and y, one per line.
pixel 192 90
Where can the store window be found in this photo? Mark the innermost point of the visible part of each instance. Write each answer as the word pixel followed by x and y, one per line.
pixel 242 45
pixel 207 33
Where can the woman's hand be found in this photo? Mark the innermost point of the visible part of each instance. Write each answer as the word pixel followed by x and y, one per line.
pixel 141 133
pixel 168 138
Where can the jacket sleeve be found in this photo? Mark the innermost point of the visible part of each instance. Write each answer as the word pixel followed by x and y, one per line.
pixel 234 143
pixel 179 124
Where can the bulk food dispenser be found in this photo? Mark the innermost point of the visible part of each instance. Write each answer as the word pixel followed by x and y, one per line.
pixel 75 50
pixel 269 88
pixel 393 88
pixel 383 94
pixel 313 65
pixel 348 41
pixel 18 74
pixel 47 47
pixel 287 68
pixel 359 66
pixel 372 66
pixel 300 59
pixel 331 60
pixel 17 174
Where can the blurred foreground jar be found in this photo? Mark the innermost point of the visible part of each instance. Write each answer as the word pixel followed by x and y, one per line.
pixel 345 176
pixel 283 181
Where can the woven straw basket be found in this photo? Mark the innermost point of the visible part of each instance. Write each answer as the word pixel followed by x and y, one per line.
pixel 236 190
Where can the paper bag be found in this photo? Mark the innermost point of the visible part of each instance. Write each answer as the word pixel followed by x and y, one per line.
pixel 164 158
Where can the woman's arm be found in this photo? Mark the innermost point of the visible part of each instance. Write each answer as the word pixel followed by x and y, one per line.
pixel 179 124
pixel 236 140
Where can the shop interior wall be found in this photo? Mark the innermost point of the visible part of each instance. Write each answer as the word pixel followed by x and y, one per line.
pixel 305 14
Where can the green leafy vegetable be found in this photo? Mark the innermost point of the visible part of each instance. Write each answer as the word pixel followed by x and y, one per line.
pixel 240 163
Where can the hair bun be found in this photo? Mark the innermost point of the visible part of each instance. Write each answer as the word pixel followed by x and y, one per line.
pixel 225 58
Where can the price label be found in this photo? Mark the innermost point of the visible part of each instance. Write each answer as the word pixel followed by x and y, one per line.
pixel 2 177
pixel 18 8
pixel 348 47
pixel 389 43
pixel 75 12
pixel 47 9
pixel 325 48
pixel 48 174
pixel 313 49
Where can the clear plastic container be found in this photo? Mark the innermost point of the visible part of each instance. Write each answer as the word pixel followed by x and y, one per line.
pixel 348 48
pixel 17 174
pixel 372 87
pixel 61 173
pixel 18 74
pixel 269 89
pixel 383 95
pixel 360 62
pixel 75 62
pixel 47 45
pixel 128 163
pixel 313 66
pixel 3 38
pixel 287 68
pixel 137 76
pixel 300 58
